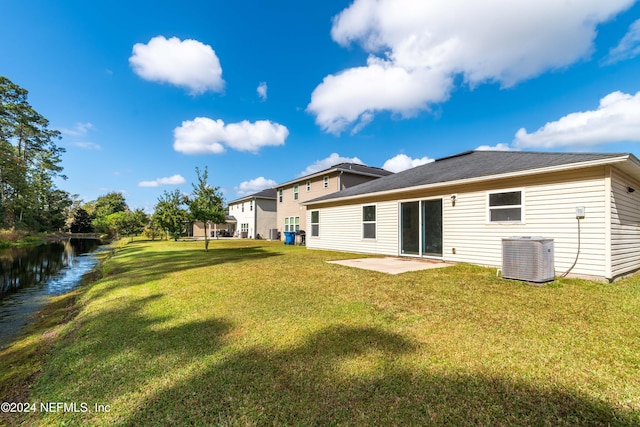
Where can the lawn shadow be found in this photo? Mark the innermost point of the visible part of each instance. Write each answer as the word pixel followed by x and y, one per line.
pixel 142 266
pixel 113 357
pixel 315 384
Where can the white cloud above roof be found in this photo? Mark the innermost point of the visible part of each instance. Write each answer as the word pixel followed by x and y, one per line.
pixel 498 147
pixel 327 162
pixel 617 119
pixel 254 185
pixel 203 135
pixel 417 49
pixel 170 180
pixel 403 162
pixel 185 63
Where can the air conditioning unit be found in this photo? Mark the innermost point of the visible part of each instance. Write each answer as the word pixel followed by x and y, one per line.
pixel 528 258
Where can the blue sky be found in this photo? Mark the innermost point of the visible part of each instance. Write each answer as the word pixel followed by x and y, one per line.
pixel 262 92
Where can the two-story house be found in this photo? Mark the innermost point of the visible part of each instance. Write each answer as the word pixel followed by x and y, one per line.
pixel 291 215
pixel 255 214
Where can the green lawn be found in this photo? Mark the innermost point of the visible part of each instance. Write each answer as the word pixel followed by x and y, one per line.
pixel 258 333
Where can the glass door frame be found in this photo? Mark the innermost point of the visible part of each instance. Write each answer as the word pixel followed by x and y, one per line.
pixel 421 230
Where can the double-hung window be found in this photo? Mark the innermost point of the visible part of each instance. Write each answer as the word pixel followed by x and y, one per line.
pixel 505 207
pixel 280 195
pixel 295 192
pixel 315 223
pixel 308 185
pixel 325 182
pixel 292 223
pixel 369 222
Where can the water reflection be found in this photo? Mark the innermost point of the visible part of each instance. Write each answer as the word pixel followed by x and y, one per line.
pixel 25 267
pixel 29 276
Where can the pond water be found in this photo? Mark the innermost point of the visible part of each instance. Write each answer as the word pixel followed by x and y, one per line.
pixel 30 276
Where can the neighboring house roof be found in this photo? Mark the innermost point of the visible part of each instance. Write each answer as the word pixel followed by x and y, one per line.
pixel 473 166
pixel 352 168
pixel 269 193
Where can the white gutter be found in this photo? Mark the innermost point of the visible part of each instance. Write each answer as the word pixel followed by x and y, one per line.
pixel 558 168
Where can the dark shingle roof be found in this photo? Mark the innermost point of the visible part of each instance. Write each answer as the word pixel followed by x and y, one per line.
pixel 268 193
pixel 354 168
pixel 359 168
pixel 467 165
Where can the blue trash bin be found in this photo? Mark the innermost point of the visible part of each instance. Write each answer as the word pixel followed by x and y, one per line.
pixel 289 237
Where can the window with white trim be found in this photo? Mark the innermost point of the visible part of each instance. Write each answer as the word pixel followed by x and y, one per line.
pixel 308 185
pixel 315 223
pixel 251 205
pixel 505 206
pixel 369 222
pixel 295 192
pixel 292 223
pixel 325 181
pixel 280 195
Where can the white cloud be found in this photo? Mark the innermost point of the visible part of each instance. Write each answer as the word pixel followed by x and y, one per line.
pixel 87 145
pixel 170 180
pixel 79 129
pixel 262 91
pixel 327 162
pixel 203 135
pixel 617 119
pixel 417 49
pixel 189 63
pixel 497 147
pixel 629 46
pixel 254 185
pixel 403 162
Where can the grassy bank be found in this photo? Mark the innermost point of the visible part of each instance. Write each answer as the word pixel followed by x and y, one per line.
pixel 254 333
pixel 21 363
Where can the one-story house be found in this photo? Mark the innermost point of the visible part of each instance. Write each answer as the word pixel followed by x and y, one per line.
pixel 199 230
pixel 459 208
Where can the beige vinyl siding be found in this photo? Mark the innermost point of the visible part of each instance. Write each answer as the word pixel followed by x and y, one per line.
pixel 289 207
pixel 549 211
pixel 340 228
pixel 349 180
pixel 625 224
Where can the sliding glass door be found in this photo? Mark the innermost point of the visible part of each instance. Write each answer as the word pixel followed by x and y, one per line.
pixel 410 228
pixel 421 228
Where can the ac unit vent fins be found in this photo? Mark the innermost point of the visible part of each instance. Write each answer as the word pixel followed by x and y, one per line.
pixel 528 258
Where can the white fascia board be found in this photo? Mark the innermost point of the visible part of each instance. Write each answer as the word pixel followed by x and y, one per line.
pixel 557 168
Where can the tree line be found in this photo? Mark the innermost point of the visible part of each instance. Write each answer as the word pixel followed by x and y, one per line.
pixel 30 160
pixel 173 212
pixel 29 163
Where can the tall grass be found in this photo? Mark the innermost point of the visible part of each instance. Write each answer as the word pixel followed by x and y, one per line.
pixel 257 333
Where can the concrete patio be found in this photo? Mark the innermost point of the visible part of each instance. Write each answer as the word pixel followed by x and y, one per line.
pixel 392 265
